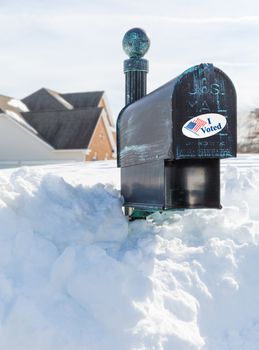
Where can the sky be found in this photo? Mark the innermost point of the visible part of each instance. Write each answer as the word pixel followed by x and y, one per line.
pixel 73 46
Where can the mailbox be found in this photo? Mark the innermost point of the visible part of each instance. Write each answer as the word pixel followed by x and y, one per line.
pixel 170 142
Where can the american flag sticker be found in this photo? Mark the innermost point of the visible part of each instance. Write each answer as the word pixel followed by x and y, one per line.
pixel 195 125
pixel 204 125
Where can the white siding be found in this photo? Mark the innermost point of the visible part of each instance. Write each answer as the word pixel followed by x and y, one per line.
pixel 18 145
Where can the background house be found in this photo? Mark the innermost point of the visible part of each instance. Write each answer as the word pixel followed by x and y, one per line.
pixel 248 141
pixel 50 127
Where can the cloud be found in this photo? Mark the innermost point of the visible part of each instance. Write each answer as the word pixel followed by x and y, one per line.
pixel 176 8
pixel 203 20
pixel 81 51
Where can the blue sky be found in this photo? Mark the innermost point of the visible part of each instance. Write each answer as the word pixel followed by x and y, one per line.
pixel 76 45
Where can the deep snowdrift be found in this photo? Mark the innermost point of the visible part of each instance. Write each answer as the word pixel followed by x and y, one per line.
pixel 74 275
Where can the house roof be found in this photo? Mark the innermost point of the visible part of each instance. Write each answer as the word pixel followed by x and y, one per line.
pixel 46 100
pixel 13 108
pixel 60 99
pixel 64 121
pixel 12 104
pixel 84 99
pixel 65 129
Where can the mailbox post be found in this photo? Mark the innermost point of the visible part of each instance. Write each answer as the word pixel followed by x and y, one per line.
pixel 135 44
pixel 170 142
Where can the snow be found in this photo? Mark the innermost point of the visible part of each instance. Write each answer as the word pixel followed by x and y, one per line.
pixel 18 104
pixel 60 99
pixel 74 274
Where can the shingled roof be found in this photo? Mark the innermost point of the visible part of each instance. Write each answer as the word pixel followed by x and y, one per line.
pixel 84 99
pixel 65 121
pixel 46 100
pixel 65 129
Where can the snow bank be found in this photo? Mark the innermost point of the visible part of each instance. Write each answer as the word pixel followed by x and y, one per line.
pixel 75 275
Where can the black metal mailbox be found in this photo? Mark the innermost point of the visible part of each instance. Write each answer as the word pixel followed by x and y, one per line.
pixel 170 141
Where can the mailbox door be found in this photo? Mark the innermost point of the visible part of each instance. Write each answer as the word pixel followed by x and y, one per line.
pixel 192 183
pixel 204 114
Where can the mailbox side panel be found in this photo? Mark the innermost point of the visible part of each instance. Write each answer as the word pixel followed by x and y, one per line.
pixel 204 90
pixel 144 128
pixel 142 185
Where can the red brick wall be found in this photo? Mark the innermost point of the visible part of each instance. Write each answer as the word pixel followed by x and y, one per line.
pixel 100 145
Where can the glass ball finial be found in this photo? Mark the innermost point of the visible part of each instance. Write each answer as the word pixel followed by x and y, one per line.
pixel 136 43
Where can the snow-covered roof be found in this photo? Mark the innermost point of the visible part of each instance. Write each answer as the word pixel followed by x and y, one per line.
pixel 18 104
pixel 13 108
pixel 58 97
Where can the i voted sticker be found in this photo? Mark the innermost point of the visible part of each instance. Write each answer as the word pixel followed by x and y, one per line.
pixel 204 125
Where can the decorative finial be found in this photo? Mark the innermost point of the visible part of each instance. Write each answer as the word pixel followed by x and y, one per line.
pixel 136 43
